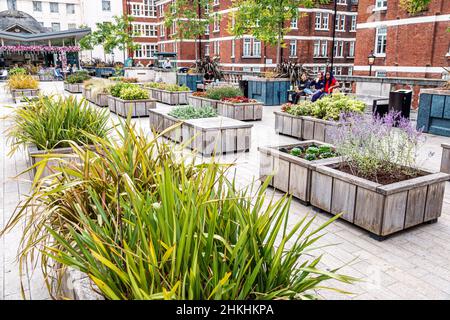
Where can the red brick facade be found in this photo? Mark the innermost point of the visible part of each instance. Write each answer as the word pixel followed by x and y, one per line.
pixel 242 54
pixel 416 46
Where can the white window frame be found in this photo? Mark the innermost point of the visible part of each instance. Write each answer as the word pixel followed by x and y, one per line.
pixel 339 49
pixel 216 27
pixel 37 5
pixel 54 5
pixel 380 5
pixel 353 24
pixel 233 48
pixel 109 5
pixel 293 49
pixel 246 47
pixel 321 21
pixel 294 23
pixel 379 50
pixel 351 49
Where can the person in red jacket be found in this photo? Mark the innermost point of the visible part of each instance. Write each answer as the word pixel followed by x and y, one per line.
pixel 330 84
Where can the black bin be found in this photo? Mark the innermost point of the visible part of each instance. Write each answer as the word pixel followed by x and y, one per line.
pixel 380 107
pixel 400 101
pixel 243 85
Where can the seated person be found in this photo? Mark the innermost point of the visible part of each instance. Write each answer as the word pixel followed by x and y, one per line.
pixel 303 88
pixel 208 77
pixel 69 69
pixel 3 74
pixel 329 84
pixel 58 74
pixel 74 68
pixel 167 64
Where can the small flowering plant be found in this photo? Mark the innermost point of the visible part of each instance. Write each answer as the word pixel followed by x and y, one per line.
pixel 239 99
pixel 378 148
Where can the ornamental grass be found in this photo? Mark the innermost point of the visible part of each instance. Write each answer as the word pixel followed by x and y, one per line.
pixel 145 223
pixel 22 81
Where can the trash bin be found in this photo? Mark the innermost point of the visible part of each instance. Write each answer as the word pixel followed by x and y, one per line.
pixel 380 107
pixel 400 101
pixel 243 85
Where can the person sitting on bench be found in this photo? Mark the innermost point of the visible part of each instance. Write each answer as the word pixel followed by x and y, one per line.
pixel 303 88
pixel 330 83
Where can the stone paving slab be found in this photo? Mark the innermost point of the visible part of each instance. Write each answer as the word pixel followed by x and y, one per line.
pixel 410 265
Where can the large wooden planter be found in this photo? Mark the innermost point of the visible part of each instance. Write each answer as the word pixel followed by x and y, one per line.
pixel 303 127
pixel 241 111
pixel 20 94
pixel 99 99
pixel 434 112
pixel 445 161
pixel 289 173
pixel 73 87
pixel 209 136
pixel 169 97
pixel 138 108
pixel 271 92
pixel 201 102
pixel 380 209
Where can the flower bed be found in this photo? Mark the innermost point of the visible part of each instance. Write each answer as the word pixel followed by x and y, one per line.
pixel 240 108
pixel 74 82
pixel 168 93
pixel 199 100
pixel 377 185
pixel 208 136
pixel 292 165
pixel 130 99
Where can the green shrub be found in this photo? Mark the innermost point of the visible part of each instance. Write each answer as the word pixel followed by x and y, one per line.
pixel 133 93
pixel 51 123
pixel 18 71
pixel 223 92
pixel 145 223
pixel 78 77
pixel 189 112
pixel 167 87
pixel 116 89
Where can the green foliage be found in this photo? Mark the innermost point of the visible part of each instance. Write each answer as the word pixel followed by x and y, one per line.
pixel 18 71
pixel 144 223
pixel 22 81
pixel 189 112
pixel 133 93
pixel 167 87
pixel 116 89
pixel 414 6
pixel 328 108
pixel 296 152
pixel 312 152
pixel 223 92
pixel 50 122
pixel 78 77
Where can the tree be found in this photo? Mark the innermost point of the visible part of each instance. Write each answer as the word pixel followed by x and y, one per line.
pixel 266 19
pixel 111 35
pixel 191 19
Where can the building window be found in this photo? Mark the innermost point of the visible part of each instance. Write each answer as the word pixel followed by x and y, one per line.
pixel 56 26
pixel 320 48
pixel 321 21
pixel 217 48
pixel 341 1
pixel 54 7
pixel 149 8
pixel 12 5
pixel 106 5
pixel 216 22
pixel 149 50
pixel 339 49
pixel 337 71
pixel 380 4
pixel 293 48
pixel 256 48
pixel 351 49
pixel 71 26
pixel 37 6
pixel 136 10
pixel 206 49
pixel 294 23
pixel 247 51
pixel 138 52
pixel 70 8
pixel 353 24
pixel 162 30
pixel 137 30
pixel 340 22
pixel 207 30
pixel 150 30
pixel 233 48
pixel 380 41
pixel 161 10
pixel 350 71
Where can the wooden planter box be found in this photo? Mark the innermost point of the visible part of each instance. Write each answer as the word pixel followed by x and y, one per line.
pixel 73 87
pixel 291 174
pixel 36 156
pixel 445 162
pixel 138 108
pixel 169 97
pixel 380 209
pixel 200 102
pixel 434 112
pixel 209 136
pixel 302 127
pixel 241 111
pixel 19 94
pixel 271 92
pixel 100 99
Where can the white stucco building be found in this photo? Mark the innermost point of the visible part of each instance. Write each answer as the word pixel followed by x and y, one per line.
pixel 71 14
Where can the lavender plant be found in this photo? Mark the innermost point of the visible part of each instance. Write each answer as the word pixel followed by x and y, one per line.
pixel 373 147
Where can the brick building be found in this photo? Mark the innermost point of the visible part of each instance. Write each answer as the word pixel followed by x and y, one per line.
pixel 309 41
pixel 404 45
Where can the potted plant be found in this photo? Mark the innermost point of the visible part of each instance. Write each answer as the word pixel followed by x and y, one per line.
pixel 23 86
pixel 289 167
pixel 201 129
pixel 50 127
pixel 111 221
pixel 313 120
pixel 128 99
pixel 97 91
pixel 74 82
pixel 171 94
pixel 377 184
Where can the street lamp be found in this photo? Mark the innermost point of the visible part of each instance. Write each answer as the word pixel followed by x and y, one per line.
pixel 371 59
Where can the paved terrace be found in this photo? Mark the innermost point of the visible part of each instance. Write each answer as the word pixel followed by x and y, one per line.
pixel 411 265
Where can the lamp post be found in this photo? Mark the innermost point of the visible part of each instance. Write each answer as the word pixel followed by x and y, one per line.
pixel 371 60
pixel 334 34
